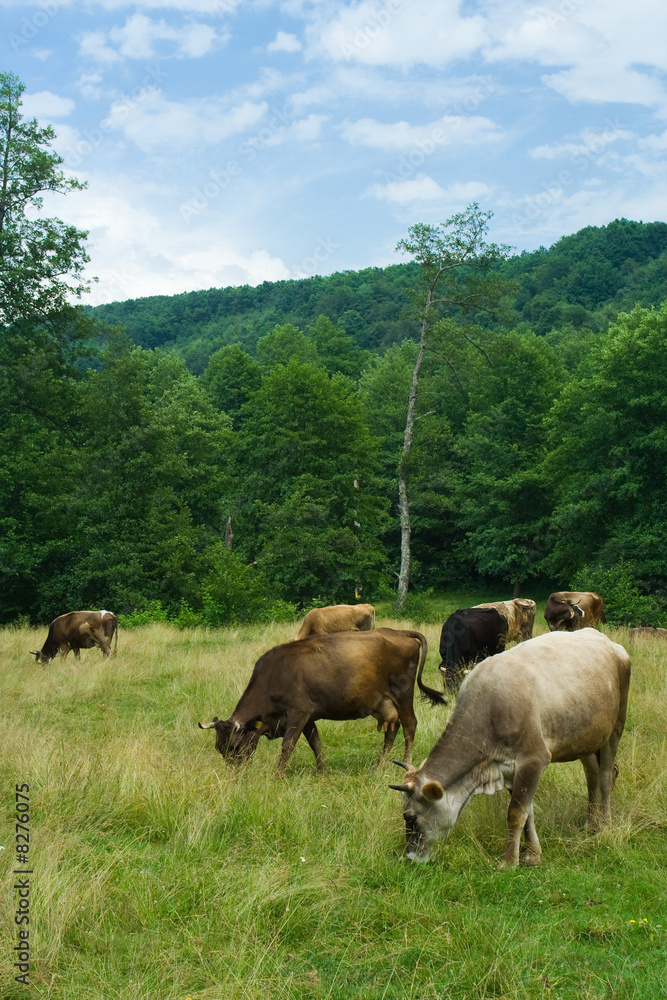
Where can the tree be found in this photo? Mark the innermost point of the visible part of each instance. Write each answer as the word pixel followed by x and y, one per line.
pixel 308 509
pixel 608 456
pixel 502 496
pixel 41 260
pixel 458 276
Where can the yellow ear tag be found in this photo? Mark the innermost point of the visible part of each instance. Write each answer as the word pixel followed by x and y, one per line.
pixel 258 724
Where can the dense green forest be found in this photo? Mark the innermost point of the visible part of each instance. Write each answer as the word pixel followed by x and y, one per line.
pixel 583 282
pixel 233 454
pixel 539 458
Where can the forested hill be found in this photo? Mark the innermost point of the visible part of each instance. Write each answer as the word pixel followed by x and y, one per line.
pixel 582 281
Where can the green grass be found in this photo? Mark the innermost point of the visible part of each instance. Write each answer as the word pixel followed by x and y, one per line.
pixel 161 874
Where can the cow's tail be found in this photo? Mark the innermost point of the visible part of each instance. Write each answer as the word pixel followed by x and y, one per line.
pixel 115 628
pixel 435 697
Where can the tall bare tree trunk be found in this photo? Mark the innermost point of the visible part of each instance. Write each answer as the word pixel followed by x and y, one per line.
pixel 403 500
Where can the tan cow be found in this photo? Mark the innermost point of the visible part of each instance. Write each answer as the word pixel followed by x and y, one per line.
pixel 519 614
pixel 79 630
pixel 558 697
pixel 338 618
pixel 568 610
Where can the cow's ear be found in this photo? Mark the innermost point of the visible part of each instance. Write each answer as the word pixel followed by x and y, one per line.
pixel 432 791
pixel 253 723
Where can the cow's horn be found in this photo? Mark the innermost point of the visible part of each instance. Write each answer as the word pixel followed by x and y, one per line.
pixel 402 788
pixel 208 725
pixel 401 763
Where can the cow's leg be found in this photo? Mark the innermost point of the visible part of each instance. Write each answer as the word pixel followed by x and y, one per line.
pixel 311 734
pixel 532 855
pixel 391 727
pixel 63 650
pixel 406 714
pixel 519 814
pixel 594 813
pixel 77 652
pixel 608 772
pixel 293 729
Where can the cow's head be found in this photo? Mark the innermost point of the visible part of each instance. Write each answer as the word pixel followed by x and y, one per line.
pixel 429 813
pixel 566 616
pixel 236 742
pixel 40 657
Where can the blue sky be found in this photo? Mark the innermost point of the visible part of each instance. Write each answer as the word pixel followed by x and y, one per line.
pixel 236 141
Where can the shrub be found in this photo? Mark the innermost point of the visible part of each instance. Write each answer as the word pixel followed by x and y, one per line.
pixel 152 613
pixel 624 602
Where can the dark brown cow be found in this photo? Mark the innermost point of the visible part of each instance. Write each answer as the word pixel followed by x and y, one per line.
pixel 558 697
pixel 568 610
pixel 346 675
pixel 79 630
pixel 338 618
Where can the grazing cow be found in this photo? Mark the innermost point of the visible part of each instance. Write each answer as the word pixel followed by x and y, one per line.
pixel 347 675
pixel 520 615
pixel 79 630
pixel 338 618
pixel 467 636
pixel 647 630
pixel 568 610
pixel 555 698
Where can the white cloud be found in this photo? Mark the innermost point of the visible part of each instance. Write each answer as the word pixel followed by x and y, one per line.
pixel 302 130
pixel 199 39
pixel 543 217
pixel 426 32
pixel 138 250
pixel 605 82
pixel 151 121
pixel 45 104
pixel 656 143
pixel 284 42
pixel 93 46
pixel 590 143
pixel 139 36
pixel 604 52
pixel 423 188
pixel 402 135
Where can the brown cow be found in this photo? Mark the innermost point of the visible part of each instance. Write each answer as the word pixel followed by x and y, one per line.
pixel 338 618
pixel 79 630
pixel 347 675
pixel 558 697
pixel 568 610
pixel 520 616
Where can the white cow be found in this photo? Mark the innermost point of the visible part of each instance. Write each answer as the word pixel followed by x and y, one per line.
pixel 558 697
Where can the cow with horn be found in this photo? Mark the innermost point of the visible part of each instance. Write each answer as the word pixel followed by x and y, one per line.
pixel 344 675
pixel 559 697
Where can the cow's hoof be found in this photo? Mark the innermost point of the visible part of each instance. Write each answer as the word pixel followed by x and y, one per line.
pixel 504 863
pixel 531 860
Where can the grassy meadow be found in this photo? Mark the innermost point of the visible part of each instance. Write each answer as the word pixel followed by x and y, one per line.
pixel 161 874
